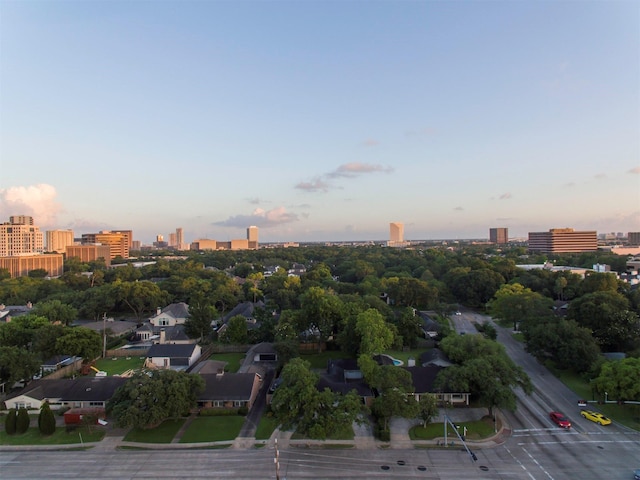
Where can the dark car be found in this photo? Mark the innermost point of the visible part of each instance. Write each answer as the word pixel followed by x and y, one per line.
pixel 636 474
pixel 560 420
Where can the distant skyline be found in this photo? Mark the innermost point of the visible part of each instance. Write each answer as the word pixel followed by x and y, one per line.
pixel 321 121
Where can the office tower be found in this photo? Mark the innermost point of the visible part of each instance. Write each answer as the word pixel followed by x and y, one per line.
pixel 118 241
pixel 252 237
pixel 21 265
pixel 172 240
pixel 180 239
pixel 21 238
pixel 58 240
pixel 128 235
pixel 563 240
pixel 21 220
pixel 633 238
pixel 396 232
pixel 159 238
pixel 499 235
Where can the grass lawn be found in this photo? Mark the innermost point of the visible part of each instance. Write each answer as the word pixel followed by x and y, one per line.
pixel 163 433
pixel 60 437
pixel 319 360
pixel 476 430
pixel 234 360
pixel 213 429
pixel 116 366
pixel 404 356
pixel 266 427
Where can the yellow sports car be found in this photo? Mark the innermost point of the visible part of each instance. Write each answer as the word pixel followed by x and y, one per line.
pixel 595 417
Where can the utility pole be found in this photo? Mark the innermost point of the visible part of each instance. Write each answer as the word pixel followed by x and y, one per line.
pixel 104 335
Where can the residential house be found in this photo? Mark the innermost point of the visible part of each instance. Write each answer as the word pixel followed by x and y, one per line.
pixel 342 376
pixel 434 356
pixel 229 390
pixel 173 314
pixel 80 392
pixel 423 379
pixel 174 356
pixel 297 270
pixel 149 333
pixel 430 327
pixel 244 309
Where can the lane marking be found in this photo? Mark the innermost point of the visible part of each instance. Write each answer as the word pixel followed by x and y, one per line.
pixel 538 464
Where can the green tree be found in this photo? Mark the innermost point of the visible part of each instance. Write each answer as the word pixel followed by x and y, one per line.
pixel 141 297
pixel 56 311
pixel 146 400
pixel 619 378
pixel 44 341
pixel 17 364
pixel 38 273
pixel 46 420
pixel 295 400
pixel 80 342
pixel 321 311
pixel 201 314
pixel 22 421
pixel 375 334
pixel 409 327
pixel 514 304
pixel 599 282
pixel 236 331
pixel 427 408
pixel 10 422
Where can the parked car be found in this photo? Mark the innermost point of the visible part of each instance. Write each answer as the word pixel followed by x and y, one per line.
pixel 560 420
pixel 595 417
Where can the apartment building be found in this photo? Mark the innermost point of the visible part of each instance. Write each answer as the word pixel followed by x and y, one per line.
pixel 19 236
pixel 119 242
pixel 499 235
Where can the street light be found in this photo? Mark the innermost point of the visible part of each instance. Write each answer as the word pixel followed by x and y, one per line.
pixel 606 397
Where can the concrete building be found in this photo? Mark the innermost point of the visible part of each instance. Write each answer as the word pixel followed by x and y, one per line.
pixel 20 236
pixel 396 235
pixel 90 253
pixel 118 241
pixel 633 238
pixel 20 266
pixel 252 236
pixel 563 240
pixel 58 240
pixel 499 235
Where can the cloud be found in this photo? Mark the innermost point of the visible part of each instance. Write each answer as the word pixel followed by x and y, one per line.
pixel 260 218
pixel 347 170
pixel 505 196
pixel 37 201
pixel 600 176
pixel 370 142
pixel 635 170
pixel 459 209
pixel 350 170
pixel 316 185
pixel 254 201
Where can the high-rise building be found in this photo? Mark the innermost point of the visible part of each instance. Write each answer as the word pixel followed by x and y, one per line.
pixel 118 241
pixel 58 240
pixel 252 236
pixel 633 238
pixel 180 245
pixel 499 235
pixel 563 240
pixel 20 236
pixel 21 265
pixel 396 232
pixel 172 240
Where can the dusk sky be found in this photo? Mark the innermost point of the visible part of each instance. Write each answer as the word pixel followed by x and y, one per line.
pixel 321 121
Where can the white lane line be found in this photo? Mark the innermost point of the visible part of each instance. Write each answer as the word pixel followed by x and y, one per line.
pixel 520 463
pixel 538 464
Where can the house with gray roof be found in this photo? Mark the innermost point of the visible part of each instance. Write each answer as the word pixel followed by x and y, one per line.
pixel 173 314
pixel 424 379
pixel 174 356
pixel 229 390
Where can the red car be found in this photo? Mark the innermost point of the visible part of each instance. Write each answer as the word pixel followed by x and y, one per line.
pixel 560 420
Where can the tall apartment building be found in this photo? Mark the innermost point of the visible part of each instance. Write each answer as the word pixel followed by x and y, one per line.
pixel 252 237
pixel 180 245
pixel 563 240
pixel 58 240
pixel 499 235
pixel 20 236
pixel 633 238
pixel 119 242
pixel 396 235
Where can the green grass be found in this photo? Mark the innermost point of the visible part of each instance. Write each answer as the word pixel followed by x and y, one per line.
pixel 163 433
pixel 213 429
pixel 476 430
pixel 234 360
pixel 404 356
pixel 266 427
pixel 60 437
pixel 117 366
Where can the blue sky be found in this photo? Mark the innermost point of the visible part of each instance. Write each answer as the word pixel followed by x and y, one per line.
pixel 321 121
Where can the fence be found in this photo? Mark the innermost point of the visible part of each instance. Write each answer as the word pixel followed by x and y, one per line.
pixel 127 352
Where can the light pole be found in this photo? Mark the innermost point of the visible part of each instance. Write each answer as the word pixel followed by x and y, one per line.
pixel 606 397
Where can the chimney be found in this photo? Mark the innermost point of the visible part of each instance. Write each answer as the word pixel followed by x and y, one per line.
pixel 158 311
pixel 163 336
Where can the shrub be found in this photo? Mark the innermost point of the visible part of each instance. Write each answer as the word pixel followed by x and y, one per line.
pixel 46 420
pixel 22 421
pixel 243 411
pixel 10 422
pixel 217 412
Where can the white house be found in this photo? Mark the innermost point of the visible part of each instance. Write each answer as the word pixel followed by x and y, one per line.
pixel 173 314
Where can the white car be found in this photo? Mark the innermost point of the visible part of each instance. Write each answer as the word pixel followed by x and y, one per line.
pixel 458 312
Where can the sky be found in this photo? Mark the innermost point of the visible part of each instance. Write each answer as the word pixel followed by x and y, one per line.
pixel 320 120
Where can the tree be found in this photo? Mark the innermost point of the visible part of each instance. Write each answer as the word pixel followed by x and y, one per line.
pixel 38 273
pixel 514 304
pixel 427 408
pixel 321 312
pixel 80 342
pixel 56 311
pixel 394 402
pixel 46 420
pixel 619 378
pixel 482 369
pixel 201 314
pixel 22 421
pixel 44 341
pixel 146 400
pixel 141 297
pixel 409 327
pixel 236 331
pixel 10 422
pixel 376 336
pixel 599 282
pixel 17 364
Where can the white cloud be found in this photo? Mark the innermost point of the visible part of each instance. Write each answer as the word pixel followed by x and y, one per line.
pixel 260 218
pixel 38 201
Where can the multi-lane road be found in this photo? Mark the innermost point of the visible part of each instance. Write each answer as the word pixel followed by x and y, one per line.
pixel 536 450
